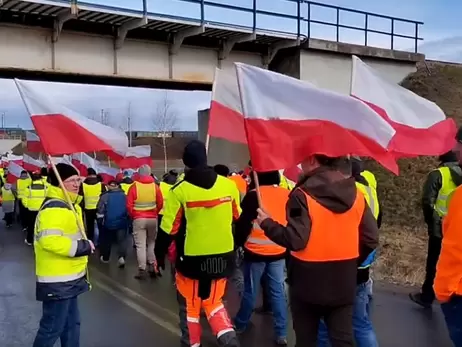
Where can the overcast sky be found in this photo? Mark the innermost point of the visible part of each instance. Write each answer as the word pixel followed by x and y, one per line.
pixel 442 32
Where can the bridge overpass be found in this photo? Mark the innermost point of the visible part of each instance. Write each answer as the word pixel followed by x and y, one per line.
pixel 98 42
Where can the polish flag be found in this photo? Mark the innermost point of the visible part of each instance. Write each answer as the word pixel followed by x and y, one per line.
pixel 33 143
pixel 14 172
pixel 63 131
pixel 31 164
pixel 133 158
pixel 287 120
pixel 107 173
pixel 421 126
pixel 293 173
pixel 226 120
pixel 18 159
pixel 83 162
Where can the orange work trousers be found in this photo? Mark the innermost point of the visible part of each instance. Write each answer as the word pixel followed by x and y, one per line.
pixel 190 310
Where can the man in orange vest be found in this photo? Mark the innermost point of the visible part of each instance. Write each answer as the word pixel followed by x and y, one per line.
pixel 144 201
pixel 448 280
pixel 263 257
pixel 330 231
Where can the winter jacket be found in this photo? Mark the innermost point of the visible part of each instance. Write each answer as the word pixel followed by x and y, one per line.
pixel 112 210
pixel 431 189
pixel 330 283
pixel 132 196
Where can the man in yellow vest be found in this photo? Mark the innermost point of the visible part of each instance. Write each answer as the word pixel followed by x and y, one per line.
pixel 199 214
pixel 440 183
pixel 61 257
pixel 144 201
pixel 20 190
pixel 33 199
pixel 8 202
pixel 91 190
pixel 262 257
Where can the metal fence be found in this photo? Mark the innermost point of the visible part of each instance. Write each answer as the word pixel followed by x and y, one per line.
pixel 299 11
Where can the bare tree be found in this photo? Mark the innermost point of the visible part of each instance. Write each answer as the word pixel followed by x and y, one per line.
pixel 165 120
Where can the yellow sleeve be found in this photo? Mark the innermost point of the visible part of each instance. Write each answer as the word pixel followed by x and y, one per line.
pixel 173 213
pixel 237 202
pixel 49 232
pixel 25 199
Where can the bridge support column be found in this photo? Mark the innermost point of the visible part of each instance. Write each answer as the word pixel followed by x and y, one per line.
pixel 275 48
pixel 227 46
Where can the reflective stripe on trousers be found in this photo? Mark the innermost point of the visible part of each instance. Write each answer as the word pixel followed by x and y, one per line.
pixel 61 278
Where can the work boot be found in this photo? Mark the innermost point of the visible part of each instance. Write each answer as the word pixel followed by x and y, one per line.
pixel 101 259
pixel 417 298
pixel 281 341
pixel 141 275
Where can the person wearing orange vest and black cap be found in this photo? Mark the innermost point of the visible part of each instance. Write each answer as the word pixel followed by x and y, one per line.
pixel 199 215
pixel 330 231
pixel 263 257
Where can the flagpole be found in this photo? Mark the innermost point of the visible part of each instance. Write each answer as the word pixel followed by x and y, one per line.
pixel 255 177
pixel 207 142
pixel 68 199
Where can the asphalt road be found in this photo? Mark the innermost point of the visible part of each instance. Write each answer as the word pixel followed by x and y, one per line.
pixel 121 311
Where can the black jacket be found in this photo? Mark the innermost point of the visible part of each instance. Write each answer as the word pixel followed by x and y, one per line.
pixel 431 189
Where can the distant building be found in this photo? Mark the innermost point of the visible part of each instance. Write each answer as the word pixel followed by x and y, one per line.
pixel 169 134
pixel 12 134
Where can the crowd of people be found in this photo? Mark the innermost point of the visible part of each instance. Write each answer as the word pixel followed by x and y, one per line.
pixel 256 231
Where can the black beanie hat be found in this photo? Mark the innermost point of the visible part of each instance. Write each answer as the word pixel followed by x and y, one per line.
pixel 222 170
pixel 64 170
pixel 91 172
pixel 194 154
pixel 44 171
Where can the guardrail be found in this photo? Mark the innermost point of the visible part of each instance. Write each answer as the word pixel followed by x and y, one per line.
pixel 302 15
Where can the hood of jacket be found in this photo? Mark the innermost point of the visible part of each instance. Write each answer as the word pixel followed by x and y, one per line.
pixel 203 177
pixel 330 188
pixel 456 172
pixel 170 179
pixel 146 179
pixel 92 180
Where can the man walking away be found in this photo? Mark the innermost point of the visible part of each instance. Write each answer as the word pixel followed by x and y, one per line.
pixel 262 257
pixel 91 190
pixel 33 200
pixel 8 202
pixel 112 217
pixel 144 201
pixel 330 230
pixel 20 190
pixel 127 181
pixel 199 214
pixel 439 185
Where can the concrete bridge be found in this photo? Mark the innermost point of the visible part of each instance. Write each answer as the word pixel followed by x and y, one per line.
pixel 76 41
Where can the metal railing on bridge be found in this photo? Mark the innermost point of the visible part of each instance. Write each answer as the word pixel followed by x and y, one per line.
pixel 299 17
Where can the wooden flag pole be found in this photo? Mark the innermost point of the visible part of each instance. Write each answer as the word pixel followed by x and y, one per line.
pixel 257 188
pixel 68 199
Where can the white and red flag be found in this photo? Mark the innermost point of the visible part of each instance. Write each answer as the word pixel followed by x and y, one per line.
pixel 14 172
pixel 107 173
pixel 421 126
pixel 83 162
pixel 33 142
pixel 63 131
pixel 32 164
pixel 287 120
pixel 133 158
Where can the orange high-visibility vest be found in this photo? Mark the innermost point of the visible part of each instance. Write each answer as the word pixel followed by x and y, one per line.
pixel 333 236
pixel 274 199
pixel 145 196
pixel 240 183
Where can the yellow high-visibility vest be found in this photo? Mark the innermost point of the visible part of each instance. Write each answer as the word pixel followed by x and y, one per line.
pixel 145 196
pixel 91 194
pixel 35 196
pixel 125 187
pixel 447 187
pixel 21 187
pixel 164 189
pixel 371 198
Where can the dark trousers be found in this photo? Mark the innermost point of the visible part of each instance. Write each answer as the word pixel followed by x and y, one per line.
pixel 23 215
pixel 90 218
pixel 108 237
pixel 306 319
pixel 8 218
pixel 433 254
pixel 31 216
pixel 60 320
pixel 452 311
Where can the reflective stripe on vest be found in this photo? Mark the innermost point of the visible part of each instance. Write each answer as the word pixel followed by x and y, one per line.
pixel 145 196
pixel 274 199
pixel 91 194
pixel 334 236
pixel 7 195
pixel 61 278
pixel 56 232
pixel 371 198
pixel 447 187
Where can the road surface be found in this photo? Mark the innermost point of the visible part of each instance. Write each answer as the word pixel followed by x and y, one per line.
pixel 121 311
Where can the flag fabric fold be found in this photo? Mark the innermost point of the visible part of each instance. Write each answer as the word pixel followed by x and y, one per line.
pixel 107 173
pixel 63 131
pixel 31 164
pixel 133 157
pixel 421 126
pixel 33 143
pixel 14 172
pixel 287 120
